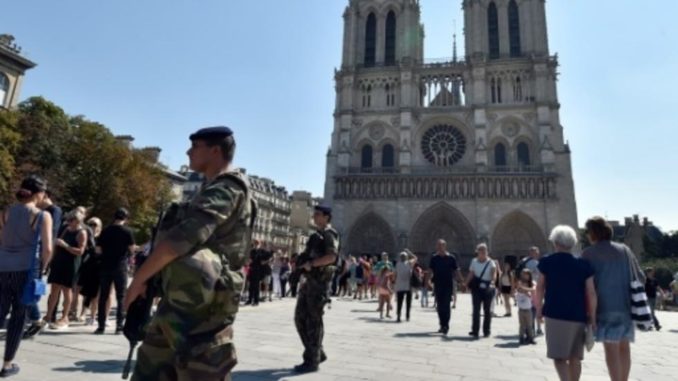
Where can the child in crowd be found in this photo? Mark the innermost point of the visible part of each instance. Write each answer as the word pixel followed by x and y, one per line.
pixel 524 293
pixel 385 291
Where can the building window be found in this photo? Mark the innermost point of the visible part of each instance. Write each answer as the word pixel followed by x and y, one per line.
pixel 366 157
pixel 500 155
pixel 367 96
pixel 493 30
pixel 371 41
pixel 388 156
pixel 4 89
pixel 523 154
pixel 514 28
pixel 495 89
pixel 390 56
pixel 443 145
pixel 390 95
pixel 518 90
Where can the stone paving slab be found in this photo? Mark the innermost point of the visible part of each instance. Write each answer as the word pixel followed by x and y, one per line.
pixel 360 346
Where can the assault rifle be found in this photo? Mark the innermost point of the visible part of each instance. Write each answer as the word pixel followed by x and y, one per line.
pixel 139 313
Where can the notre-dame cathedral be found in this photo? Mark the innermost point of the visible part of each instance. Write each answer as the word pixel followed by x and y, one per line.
pixel 469 149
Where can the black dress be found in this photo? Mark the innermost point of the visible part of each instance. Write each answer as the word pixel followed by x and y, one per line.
pixel 64 266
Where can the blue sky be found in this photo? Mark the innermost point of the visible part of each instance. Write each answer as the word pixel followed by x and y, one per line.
pixel 159 69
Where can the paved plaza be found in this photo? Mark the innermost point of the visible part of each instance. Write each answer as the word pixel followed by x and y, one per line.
pixel 359 346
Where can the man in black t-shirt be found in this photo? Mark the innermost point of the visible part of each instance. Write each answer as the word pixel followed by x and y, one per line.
pixel 115 244
pixel 444 268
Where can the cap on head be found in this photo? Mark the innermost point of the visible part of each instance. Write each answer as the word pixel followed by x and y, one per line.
pixel 121 214
pixel 212 133
pixel 326 210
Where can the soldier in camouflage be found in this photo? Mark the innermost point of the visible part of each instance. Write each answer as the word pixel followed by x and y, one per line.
pixel 200 249
pixel 322 250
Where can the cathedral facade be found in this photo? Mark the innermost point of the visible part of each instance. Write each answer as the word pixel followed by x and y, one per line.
pixel 469 149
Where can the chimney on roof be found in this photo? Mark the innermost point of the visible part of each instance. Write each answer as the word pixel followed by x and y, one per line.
pixel 153 153
pixel 127 140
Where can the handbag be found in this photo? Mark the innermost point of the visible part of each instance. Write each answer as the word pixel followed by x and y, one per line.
pixel 35 287
pixel 476 282
pixel 640 307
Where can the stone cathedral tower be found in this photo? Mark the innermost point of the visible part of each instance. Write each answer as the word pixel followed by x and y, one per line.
pixel 469 149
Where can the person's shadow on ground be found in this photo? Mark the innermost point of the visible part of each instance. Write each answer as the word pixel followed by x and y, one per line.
pixel 262 374
pixel 95 366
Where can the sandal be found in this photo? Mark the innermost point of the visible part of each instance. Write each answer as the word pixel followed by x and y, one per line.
pixel 8 372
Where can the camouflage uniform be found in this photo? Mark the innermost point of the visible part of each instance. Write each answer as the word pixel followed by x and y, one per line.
pixel 313 295
pixel 191 334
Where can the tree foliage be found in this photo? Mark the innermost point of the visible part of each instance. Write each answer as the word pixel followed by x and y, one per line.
pixel 9 143
pixel 82 161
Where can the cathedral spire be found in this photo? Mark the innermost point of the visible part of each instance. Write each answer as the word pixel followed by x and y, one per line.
pixel 454 43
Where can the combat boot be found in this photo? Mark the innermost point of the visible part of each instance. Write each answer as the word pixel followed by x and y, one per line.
pixel 305 368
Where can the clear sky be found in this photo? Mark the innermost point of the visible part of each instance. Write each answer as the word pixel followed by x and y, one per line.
pixel 159 69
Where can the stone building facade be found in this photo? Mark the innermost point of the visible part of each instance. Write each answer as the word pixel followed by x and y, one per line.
pixel 470 150
pixel 272 226
pixel 12 68
pixel 301 219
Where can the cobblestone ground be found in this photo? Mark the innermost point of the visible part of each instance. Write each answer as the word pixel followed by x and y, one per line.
pixel 359 346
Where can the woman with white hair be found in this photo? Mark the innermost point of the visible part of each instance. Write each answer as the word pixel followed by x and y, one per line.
pixel 403 283
pixel 481 282
pixel 567 290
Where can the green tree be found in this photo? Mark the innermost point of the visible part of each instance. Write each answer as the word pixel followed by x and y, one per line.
pixel 9 143
pixel 45 132
pixel 83 163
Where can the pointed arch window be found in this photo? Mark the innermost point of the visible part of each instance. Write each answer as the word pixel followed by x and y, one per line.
pixel 366 157
pixel 4 88
pixel 518 90
pixel 495 90
pixel 371 41
pixel 388 156
pixel 514 29
pixel 500 155
pixel 523 155
pixel 367 96
pixel 493 30
pixel 390 56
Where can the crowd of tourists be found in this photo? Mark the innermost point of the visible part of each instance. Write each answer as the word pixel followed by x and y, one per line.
pixel 85 264
pixel 574 300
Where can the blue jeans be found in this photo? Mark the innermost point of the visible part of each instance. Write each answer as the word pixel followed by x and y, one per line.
pixel 33 313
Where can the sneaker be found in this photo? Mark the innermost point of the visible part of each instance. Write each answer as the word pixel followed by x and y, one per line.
pixel 59 326
pixel 99 331
pixel 89 321
pixel 13 370
pixel 34 329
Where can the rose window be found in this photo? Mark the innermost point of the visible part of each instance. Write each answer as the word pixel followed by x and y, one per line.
pixel 443 145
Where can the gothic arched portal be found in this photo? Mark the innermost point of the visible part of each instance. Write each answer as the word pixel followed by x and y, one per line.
pixel 515 234
pixel 443 221
pixel 371 234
